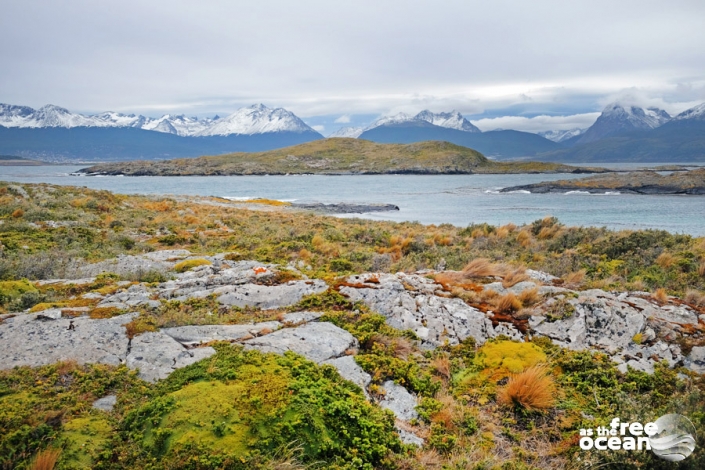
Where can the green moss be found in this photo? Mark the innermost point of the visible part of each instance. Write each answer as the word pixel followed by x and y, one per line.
pixel 18 294
pixel 84 438
pixel 190 264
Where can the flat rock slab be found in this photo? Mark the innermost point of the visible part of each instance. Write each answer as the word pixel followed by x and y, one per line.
pixel 350 370
pixel 197 334
pixel 28 340
pixel 315 341
pixel 157 355
pixel 163 260
pixel 409 302
pixel 269 297
pixel 399 401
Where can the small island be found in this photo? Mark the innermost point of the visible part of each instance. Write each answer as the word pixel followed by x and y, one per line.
pixel 639 182
pixel 337 156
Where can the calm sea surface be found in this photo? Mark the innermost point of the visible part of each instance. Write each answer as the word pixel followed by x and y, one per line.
pixel 456 199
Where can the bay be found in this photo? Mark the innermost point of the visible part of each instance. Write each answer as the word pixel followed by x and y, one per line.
pixel 430 199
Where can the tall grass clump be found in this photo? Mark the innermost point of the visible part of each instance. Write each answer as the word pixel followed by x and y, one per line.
pixel 532 389
pixel 45 460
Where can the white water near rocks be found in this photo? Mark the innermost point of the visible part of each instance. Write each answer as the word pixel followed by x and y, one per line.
pixel 455 199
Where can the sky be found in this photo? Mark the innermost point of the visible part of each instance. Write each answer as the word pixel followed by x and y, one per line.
pixel 527 65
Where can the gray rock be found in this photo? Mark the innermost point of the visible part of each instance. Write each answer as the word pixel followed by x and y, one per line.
pixel 300 317
pixel 696 360
pixel 134 265
pixel 197 334
pixel 30 341
pixel 315 341
pixel 106 403
pixel 408 437
pixel 269 297
pixel 49 314
pixel 157 355
pixel 410 302
pixel 350 370
pixel 399 401
pixel 541 276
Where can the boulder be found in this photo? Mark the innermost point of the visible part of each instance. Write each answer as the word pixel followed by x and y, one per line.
pixel 106 403
pixel 196 334
pixel 399 401
pixel 696 360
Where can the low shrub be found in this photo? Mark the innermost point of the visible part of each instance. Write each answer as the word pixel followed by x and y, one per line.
pixel 189 264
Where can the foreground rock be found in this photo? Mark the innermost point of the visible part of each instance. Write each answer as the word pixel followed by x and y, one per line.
pixel 411 302
pixel 641 182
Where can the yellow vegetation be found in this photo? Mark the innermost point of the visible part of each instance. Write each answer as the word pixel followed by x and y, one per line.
pixel 509 356
pixel 508 303
pixel 665 260
pixel 190 264
pixel 661 295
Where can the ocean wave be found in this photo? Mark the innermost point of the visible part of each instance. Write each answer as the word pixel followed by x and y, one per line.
pixel 578 192
pixel 519 191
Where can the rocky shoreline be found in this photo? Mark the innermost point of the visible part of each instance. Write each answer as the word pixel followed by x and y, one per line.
pixel 642 182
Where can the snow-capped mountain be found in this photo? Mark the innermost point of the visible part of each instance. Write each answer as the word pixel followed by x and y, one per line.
pixel 616 118
pixel 561 135
pixel 697 112
pixel 451 120
pixel 256 119
pixel 350 132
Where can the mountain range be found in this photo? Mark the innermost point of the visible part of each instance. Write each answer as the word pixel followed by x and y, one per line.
pixel 621 133
pixel 56 134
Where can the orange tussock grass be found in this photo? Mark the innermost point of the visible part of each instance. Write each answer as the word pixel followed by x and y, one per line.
pixel 660 295
pixel 548 232
pixel 701 269
pixel 694 297
pixel 532 389
pixel 45 460
pixel 529 296
pixel 441 365
pixel 665 260
pixel 514 277
pixel 575 278
pixel 482 267
pixel 402 347
pixel 508 303
pixel 524 238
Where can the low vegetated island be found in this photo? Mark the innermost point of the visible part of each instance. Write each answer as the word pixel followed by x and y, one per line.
pixel 12 160
pixel 639 182
pixel 160 333
pixel 337 156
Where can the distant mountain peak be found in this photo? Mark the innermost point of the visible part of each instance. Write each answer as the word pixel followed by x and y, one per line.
pixel 561 135
pixel 617 118
pixel 451 120
pixel 696 112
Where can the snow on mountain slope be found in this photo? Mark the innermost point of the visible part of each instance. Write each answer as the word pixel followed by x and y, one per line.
pixel 561 135
pixel 451 120
pixel 616 118
pixel 697 112
pixel 256 119
pixel 351 132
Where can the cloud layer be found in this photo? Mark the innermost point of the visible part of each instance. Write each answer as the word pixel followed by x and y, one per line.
pixel 347 58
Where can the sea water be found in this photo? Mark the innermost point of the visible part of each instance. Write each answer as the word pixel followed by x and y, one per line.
pixel 430 199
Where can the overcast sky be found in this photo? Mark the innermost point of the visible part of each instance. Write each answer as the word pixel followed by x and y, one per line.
pixel 530 65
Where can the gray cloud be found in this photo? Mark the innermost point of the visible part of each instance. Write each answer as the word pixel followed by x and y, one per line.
pixel 330 58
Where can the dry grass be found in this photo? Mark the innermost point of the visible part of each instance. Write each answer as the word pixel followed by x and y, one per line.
pixel 575 279
pixel 660 295
pixel 508 303
pixel 442 368
pixel 514 277
pixel 694 297
pixel 529 297
pixel 482 267
pixel 532 389
pixel 665 260
pixel 701 269
pixel 402 347
pixel 45 460
pixel 524 238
